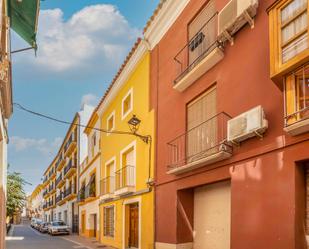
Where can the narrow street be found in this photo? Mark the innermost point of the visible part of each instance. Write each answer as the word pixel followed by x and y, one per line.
pixel 24 237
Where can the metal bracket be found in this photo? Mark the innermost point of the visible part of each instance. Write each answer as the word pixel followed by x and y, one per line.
pixel 258 134
pixel 228 37
pixel 249 19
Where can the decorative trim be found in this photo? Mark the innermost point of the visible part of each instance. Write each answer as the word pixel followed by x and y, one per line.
pixel 123 77
pixel 164 20
pixel 124 115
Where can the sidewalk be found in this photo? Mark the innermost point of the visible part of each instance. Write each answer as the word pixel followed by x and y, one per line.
pixel 86 242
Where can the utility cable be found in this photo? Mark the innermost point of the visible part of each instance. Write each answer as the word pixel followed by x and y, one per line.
pixel 19 106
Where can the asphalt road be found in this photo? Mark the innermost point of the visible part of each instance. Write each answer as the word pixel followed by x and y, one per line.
pixel 24 237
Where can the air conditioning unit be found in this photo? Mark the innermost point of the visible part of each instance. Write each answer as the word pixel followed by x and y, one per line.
pixel 246 125
pixel 234 16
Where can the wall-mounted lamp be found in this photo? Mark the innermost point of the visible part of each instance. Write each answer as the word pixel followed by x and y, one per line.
pixel 134 123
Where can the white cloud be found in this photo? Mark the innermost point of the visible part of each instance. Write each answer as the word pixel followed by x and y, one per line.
pixel 41 145
pixel 89 99
pixel 97 36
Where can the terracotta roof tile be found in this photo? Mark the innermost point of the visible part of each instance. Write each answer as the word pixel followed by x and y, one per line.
pixel 155 13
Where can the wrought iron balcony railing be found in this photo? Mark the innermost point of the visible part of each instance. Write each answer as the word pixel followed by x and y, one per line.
pixel 81 194
pixel 125 177
pixel 67 192
pixel 90 190
pixel 107 185
pixel 59 198
pixel 71 164
pixel 198 47
pixel 70 140
pixel 59 179
pixel 201 142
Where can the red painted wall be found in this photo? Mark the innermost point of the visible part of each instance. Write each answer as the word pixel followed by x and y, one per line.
pixel 263 172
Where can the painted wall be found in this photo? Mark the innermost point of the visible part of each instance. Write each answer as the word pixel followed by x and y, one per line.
pixel 262 171
pixel 113 144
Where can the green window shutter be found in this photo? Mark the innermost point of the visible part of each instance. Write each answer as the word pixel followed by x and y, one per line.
pixel 24 18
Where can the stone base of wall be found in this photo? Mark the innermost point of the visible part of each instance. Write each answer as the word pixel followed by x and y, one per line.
pixel 160 245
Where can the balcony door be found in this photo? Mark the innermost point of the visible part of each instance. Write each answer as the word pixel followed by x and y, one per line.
pixel 202 32
pixel 128 176
pixel 201 126
pixel 110 174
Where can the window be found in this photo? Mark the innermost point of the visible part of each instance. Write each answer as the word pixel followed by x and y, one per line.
pixel 59 216
pixel 202 32
pixel 202 126
pixel 293 27
pixel 288 22
pixel 127 104
pixel 111 123
pixel 297 95
pixel 93 143
pixel 65 217
pixel 109 221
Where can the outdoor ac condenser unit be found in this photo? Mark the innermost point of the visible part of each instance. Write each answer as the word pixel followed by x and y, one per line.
pixel 235 15
pixel 246 125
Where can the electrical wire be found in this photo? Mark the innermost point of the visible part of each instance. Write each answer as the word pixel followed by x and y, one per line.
pixel 19 106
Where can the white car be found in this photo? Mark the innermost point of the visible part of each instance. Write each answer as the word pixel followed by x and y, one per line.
pixel 58 227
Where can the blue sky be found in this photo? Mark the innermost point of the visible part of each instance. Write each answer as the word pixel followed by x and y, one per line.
pixel 81 46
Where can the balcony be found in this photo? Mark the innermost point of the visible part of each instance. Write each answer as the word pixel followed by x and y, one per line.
pixel 60 163
pixel 125 180
pixel 45 193
pixel 107 188
pixel 90 190
pixel 199 55
pixel 296 94
pixel 45 179
pixel 81 194
pixel 60 181
pixel 52 189
pixel 59 198
pixel 52 173
pixel 70 145
pixel 45 206
pixel 70 169
pixel 203 145
pixel 69 194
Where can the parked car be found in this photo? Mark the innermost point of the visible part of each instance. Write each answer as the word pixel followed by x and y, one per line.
pixel 37 224
pixel 43 227
pixel 33 220
pixel 58 227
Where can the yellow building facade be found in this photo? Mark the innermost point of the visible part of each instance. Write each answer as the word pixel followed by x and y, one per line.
pixel 126 193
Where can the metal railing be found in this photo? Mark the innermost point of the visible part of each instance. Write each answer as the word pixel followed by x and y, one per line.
pixel 59 198
pixel 125 177
pixel 45 205
pixel 81 194
pixel 71 164
pixel 107 185
pixel 70 140
pixel 200 142
pixel 51 187
pixel 67 192
pixel 90 190
pixel 60 158
pixel 45 179
pixel 59 179
pixel 199 46
pixel 45 192
pixel 51 172
pixel 301 95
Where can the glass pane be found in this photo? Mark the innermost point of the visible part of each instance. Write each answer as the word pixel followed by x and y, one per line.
pixel 303 92
pixel 294 28
pixel 292 9
pixel 295 48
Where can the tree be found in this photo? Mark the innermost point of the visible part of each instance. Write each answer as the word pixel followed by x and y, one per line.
pixel 16 195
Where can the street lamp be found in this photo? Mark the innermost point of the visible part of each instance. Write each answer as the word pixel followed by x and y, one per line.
pixel 134 123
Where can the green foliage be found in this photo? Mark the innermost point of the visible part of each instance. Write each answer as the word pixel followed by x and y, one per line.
pixel 16 195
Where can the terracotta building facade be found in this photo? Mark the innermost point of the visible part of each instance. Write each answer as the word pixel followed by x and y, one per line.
pixel 230 82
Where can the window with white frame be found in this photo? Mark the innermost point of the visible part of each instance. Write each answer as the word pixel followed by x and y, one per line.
pixel 127 104
pixel 109 225
pixel 110 123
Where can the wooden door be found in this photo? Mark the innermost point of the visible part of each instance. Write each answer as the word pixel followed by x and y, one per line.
pixel 133 226
pixel 95 225
pixel 83 223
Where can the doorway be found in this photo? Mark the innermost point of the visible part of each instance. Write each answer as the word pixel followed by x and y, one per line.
pixel 132 226
pixel 95 225
pixel 83 221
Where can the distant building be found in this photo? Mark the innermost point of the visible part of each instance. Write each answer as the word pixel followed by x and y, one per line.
pixel 60 182
pixel 35 203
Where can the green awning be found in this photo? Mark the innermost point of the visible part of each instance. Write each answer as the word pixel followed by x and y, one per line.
pixel 24 18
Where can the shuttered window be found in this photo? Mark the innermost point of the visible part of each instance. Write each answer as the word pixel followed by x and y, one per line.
pixel 202 125
pixel 294 29
pixel 109 221
pixel 202 32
